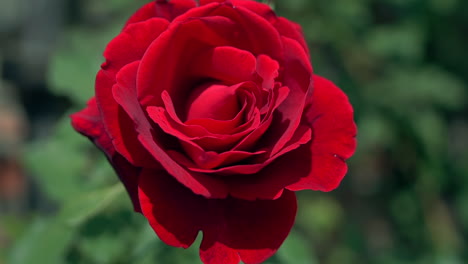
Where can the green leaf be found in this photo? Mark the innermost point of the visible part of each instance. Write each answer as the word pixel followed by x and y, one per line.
pixel 45 241
pixel 74 66
pixel 87 205
pixel 59 162
pixel 48 239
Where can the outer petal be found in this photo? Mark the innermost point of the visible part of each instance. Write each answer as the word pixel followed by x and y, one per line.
pixel 144 13
pixel 132 42
pixel 116 123
pixel 331 118
pixel 88 122
pixel 127 47
pixel 259 8
pixel 233 230
pixel 161 8
pixel 291 30
pixel 253 229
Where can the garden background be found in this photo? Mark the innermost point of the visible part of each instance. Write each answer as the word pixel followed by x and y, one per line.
pixel 403 64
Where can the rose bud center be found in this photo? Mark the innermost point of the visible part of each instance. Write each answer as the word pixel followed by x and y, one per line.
pixel 214 101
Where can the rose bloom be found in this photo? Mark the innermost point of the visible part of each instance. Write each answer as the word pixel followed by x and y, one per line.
pixel 212 117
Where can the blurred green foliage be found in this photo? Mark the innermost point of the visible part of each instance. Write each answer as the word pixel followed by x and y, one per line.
pixel 404 66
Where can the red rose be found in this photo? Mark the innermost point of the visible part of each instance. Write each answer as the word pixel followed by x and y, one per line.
pixel 212 118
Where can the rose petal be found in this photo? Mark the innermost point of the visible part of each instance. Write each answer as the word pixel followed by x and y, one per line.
pixel 165 64
pixel 221 25
pixel 253 229
pixel 259 8
pixel 331 118
pixel 126 96
pixel 204 158
pixel 233 229
pixel 259 35
pixel 169 122
pixel 275 173
pixel 297 76
pixel 145 12
pixel 301 136
pixel 214 101
pixel 267 180
pixel 162 9
pixel 118 125
pixel 208 160
pixel 88 122
pixel 227 64
pixel 173 8
pixel 279 94
pixel 290 30
pixel 127 47
pixel 173 211
pixel 267 68
pixel 132 42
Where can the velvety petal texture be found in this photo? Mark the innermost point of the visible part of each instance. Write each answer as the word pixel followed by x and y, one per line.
pixel 233 229
pixel 211 115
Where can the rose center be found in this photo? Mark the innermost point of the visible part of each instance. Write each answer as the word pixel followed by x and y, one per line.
pixel 213 101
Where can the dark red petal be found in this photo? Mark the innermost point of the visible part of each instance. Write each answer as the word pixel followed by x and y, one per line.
pixel 267 69
pixel 208 160
pixel 253 229
pixel 205 2
pixel 132 42
pixel 227 64
pixel 214 101
pixel 168 121
pixel 127 47
pixel 217 252
pixel 279 95
pixel 118 124
pixel 259 8
pixel 202 157
pixel 173 8
pixel 125 95
pixel 173 211
pixel 161 8
pixel 208 142
pixel 275 174
pixel 212 139
pixel 144 13
pixel 165 64
pixel 259 35
pixel 88 122
pixel 129 175
pixel 301 137
pixel 331 118
pixel 233 229
pixel 297 75
pixel 291 30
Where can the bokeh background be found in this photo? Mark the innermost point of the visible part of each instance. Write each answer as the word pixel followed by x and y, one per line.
pixel 403 64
